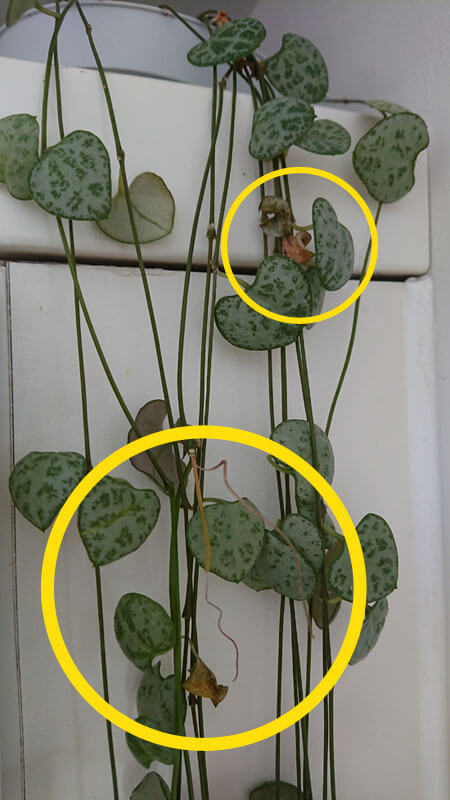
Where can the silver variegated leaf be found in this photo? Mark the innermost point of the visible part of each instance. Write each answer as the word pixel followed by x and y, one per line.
pixel 385 157
pixel 152 787
pixel 153 207
pixel 325 137
pixel 234 40
pixel 386 107
pixel 115 519
pixel 333 242
pixel 298 69
pixel 19 141
pixel 40 483
pixel 236 537
pixel 143 629
pixel 380 557
pixel 281 286
pixel 295 435
pixel 73 178
pixel 372 626
pixel 277 125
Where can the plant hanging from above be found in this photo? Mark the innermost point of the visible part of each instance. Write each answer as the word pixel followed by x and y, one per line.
pixel 301 557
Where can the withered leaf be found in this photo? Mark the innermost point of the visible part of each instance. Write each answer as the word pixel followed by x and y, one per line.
pixel 150 419
pixel 202 682
pixel 295 247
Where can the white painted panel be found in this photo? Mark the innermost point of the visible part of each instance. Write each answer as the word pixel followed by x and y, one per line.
pixel 383 747
pixel 165 128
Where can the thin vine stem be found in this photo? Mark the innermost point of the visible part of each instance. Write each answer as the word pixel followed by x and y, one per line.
pixel 298 692
pixel 351 343
pixel 175 612
pixel 279 697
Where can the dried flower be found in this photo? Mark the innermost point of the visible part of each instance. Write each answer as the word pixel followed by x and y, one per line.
pixel 295 247
pixel 276 217
pixel 221 19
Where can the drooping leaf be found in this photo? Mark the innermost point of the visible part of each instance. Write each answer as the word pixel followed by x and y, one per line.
pixel 115 519
pixel 153 207
pixel 143 629
pixel 19 141
pixel 16 8
pixel 277 125
pixel 156 699
pixel 380 557
pixel 40 483
pixel 385 157
pixel 203 683
pixel 298 69
pixel 295 435
pixel 152 787
pixel 372 626
pixel 150 419
pixel 268 791
pixel 236 537
pixel 326 137
pixel 386 107
pixel 277 566
pixel 147 752
pixel 280 285
pixel 335 253
pixel 237 39
pixel 73 178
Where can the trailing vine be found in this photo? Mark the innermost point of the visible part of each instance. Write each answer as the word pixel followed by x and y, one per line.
pixel 301 557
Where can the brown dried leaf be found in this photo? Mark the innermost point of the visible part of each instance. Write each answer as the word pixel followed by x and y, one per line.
pixel 276 217
pixel 150 419
pixel 294 247
pixel 221 19
pixel 202 682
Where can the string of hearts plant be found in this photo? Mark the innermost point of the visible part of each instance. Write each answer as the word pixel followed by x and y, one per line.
pixel 302 557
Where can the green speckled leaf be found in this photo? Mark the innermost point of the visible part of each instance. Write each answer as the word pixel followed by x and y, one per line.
pixel 298 69
pixel 147 752
pixel 277 125
pixel 317 292
pixel 280 285
pixel 153 206
pixel 335 253
pixel 381 560
pixel 276 567
pixel 294 434
pixel 384 158
pixel 40 483
pixel 152 787
pixel 236 537
pixel 333 603
pixel 19 141
pixel 237 39
pixel 143 629
pixel 15 10
pixel 150 419
pixel 326 137
pixel 73 178
pixel 268 791
pixel 386 107
pixel 115 519
pixel 372 626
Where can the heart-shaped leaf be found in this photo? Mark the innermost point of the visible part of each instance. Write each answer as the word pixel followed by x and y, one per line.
pixel 237 39
pixel 277 566
pixel 385 156
pixel 146 752
pixel 372 626
pixel 381 560
pixel 19 141
pixel 153 207
pixel 152 787
pixel 335 253
pixel 236 537
pixel 317 292
pixel 73 178
pixel 298 69
pixel 326 137
pixel 40 483
pixel 16 8
pixel 270 791
pixel 277 125
pixel 150 419
pixel 280 285
pixel 386 107
pixel 294 434
pixel 115 519
pixel 143 629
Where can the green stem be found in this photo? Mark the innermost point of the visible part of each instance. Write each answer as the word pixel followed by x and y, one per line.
pixel 175 613
pixel 272 425
pixel 45 10
pixel 279 698
pixel 47 75
pixel 298 692
pixel 352 334
pixel 101 628
pixel 181 19
pixel 284 416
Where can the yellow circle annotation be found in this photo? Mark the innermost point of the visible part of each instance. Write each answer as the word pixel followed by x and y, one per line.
pixel 333 312
pixel 59 647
